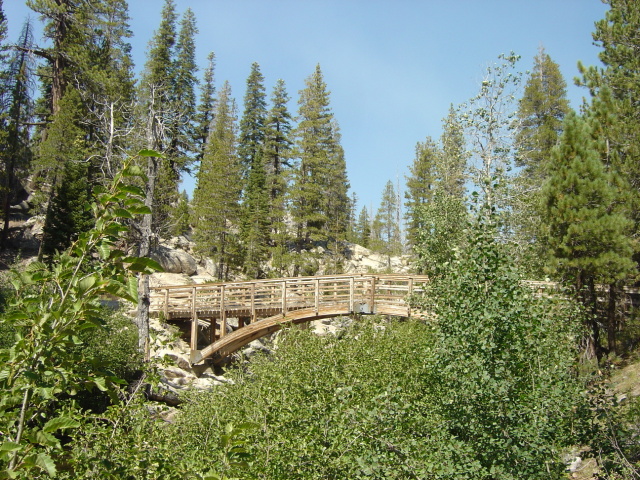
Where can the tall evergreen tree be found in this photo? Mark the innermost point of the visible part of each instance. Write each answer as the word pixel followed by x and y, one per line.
pixel 539 119
pixel 617 84
pixel 363 228
pixel 183 94
pixel 3 34
pixel 388 241
pixel 255 226
pixel 15 113
pixel 320 186
pixel 206 107
pixel 452 161
pixel 89 52
pixel 65 146
pixel 588 236
pixel 157 88
pixel 438 213
pixel 216 198
pixel 420 185
pixel 68 214
pixel 252 124
pixel 277 155
pixel 540 114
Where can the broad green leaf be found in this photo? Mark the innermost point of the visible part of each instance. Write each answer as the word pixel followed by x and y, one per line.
pixel 132 189
pixel 142 264
pixel 45 462
pixel 139 209
pixel 10 447
pixel 86 283
pixel 132 283
pixel 150 153
pixel 101 383
pixel 60 423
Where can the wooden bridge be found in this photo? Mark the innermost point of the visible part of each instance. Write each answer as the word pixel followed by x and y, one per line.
pixel 264 306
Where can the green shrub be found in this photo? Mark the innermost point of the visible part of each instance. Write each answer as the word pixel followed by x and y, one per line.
pixel 351 407
pixel 503 364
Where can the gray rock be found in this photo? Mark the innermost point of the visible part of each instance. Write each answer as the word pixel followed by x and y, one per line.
pixel 574 465
pixel 171 373
pixel 208 267
pixel 175 261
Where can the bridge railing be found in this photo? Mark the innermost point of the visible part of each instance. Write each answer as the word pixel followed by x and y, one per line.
pixel 262 297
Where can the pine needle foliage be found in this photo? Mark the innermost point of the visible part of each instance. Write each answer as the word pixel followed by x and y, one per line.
pixel 216 199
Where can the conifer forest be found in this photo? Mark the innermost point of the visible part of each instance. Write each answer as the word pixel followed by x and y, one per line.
pixel 498 381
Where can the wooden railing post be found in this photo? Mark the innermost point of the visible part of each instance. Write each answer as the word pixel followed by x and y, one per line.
pixel 194 322
pixel 352 295
pixel 166 303
pixel 223 313
pixel 317 295
pixel 373 293
pixel 409 294
pixel 253 303
pixel 284 298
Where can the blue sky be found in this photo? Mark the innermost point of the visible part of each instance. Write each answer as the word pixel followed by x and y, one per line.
pixel 393 66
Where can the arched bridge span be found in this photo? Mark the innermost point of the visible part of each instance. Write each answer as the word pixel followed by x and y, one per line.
pixel 264 306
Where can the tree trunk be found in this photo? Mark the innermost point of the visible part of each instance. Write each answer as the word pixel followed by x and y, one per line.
pixel 612 320
pixel 146 231
pixel 144 249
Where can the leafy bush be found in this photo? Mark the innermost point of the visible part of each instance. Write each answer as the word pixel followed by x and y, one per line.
pixel 51 307
pixel 114 346
pixel 503 362
pixel 328 407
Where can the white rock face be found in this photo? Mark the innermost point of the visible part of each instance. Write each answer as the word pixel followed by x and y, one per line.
pixel 162 279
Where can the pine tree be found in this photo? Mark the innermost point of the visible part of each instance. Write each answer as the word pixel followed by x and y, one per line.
pixel 206 107
pixel 183 95
pixel 68 214
pixel 3 35
pixel 252 124
pixel 89 53
pixel 436 193
pixel 15 114
pixel 255 222
pixel 319 192
pixel 540 115
pixel 587 231
pixel 452 161
pixel 617 84
pixel 420 185
pixel 353 219
pixel 363 228
pixel 216 198
pixel 387 227
pixel 157 87
pixel 277 153
pixel 65 148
